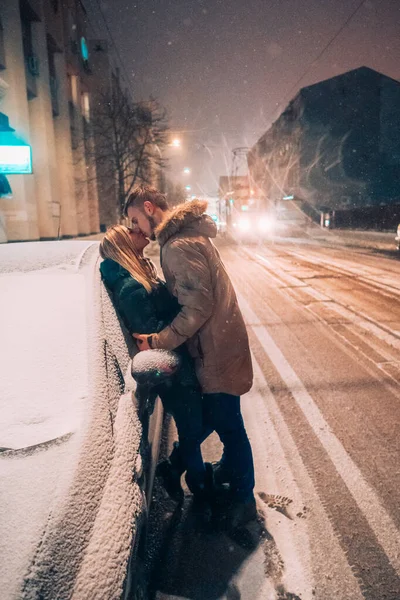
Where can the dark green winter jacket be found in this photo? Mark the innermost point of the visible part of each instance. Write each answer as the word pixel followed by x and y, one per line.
pixel 144 312
pixel 141 311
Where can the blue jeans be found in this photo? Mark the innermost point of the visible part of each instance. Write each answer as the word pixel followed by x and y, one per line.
pixel 221 413
pixel 185 404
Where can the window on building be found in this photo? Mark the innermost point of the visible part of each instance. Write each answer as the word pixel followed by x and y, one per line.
pixel 73 33
pixel 73 81
pixel 53 76
pixel 85 106
pixel 31 60
pixel 73 118
pixel 2 54
pixel 27 42
pixel 28 16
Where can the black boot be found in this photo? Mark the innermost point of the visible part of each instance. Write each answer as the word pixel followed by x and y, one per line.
pixel 171 480
pixel 176 459
pixel 221 475
pixel 206 489
pixel 241 513
pixel 203 496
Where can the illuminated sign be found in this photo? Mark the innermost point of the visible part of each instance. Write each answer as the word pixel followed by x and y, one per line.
pixel 84 50
pixel 15 160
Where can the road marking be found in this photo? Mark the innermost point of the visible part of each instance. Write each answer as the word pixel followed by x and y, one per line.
pixel 358 317
pixel 365 323
pixel 302 548
pixel 285 277
pixel 368 502
pixel 363 273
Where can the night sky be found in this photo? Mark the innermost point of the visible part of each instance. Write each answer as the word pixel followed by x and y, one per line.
pixel 224 69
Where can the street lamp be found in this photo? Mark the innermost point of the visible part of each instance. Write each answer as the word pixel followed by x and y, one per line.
pixel 188 188
pixel 176 143
pixel 186 170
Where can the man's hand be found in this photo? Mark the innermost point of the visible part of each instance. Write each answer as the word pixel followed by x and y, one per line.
pixel 142 341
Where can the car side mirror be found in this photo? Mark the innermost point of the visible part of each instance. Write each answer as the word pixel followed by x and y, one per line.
pixel 152 367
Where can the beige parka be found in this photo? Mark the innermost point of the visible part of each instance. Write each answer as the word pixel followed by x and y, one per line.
pixel 210 321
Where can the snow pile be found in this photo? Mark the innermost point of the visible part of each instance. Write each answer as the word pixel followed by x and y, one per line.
pixel 34 256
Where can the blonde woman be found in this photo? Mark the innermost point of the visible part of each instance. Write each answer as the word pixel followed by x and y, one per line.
pixel 144 304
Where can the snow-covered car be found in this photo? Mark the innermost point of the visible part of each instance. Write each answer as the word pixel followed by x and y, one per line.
pixel 76 462
pixel 397 238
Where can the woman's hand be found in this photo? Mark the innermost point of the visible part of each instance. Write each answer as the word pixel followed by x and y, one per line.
pixel 142 341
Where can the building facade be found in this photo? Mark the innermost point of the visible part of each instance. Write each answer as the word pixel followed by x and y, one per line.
pixel 45 92
pixel 336 145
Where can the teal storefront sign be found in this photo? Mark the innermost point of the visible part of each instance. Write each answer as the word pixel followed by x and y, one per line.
pixel 15 154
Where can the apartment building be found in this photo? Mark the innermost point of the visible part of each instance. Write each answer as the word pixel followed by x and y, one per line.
pixel 337 144
pixel 45 97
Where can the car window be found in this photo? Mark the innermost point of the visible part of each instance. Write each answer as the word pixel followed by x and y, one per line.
pixel 118 349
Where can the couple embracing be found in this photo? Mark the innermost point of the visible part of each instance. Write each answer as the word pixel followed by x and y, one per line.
pixel 195 313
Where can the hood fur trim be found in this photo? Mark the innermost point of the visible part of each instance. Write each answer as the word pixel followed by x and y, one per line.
pixel 182 216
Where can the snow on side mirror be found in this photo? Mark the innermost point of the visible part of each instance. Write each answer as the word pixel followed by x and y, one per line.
pixel 152 367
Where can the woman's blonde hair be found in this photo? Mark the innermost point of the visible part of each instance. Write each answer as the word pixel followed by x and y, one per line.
pixel 117 244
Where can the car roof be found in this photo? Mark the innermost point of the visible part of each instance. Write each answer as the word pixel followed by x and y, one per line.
pixel 31 256
pixel 44 319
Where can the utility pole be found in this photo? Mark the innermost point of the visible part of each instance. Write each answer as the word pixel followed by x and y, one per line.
pixel 239 156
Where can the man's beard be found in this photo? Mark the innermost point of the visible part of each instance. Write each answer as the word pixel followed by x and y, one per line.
pixel 153 226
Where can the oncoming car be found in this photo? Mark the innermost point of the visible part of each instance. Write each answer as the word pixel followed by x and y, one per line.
pixel 76 462
pixel 284 220
pixel 253 226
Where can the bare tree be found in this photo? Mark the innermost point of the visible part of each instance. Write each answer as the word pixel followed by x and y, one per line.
pixel 176 193
pixel 128 141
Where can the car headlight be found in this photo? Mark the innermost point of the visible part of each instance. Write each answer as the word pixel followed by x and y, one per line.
pixel 244 224
pixel 266 224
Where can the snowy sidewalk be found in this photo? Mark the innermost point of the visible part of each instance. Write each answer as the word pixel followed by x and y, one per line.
pixel 376 240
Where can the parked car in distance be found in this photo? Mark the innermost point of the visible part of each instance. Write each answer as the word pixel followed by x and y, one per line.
pixel 76 462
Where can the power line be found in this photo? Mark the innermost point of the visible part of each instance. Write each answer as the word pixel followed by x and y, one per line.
pixel 128 79
pixel 324 49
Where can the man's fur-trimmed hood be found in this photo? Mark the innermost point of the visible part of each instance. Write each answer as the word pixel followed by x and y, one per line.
pixel 188 217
